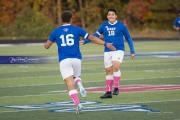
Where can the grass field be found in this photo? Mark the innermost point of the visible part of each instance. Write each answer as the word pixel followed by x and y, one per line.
pixel 149 89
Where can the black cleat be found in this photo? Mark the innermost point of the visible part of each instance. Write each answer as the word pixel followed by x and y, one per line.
pixel 116 91
pixel 106 95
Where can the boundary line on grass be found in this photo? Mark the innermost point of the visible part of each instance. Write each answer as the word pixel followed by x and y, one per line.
pixel 90 81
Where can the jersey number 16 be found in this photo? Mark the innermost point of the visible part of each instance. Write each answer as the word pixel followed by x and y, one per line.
pixel 67 40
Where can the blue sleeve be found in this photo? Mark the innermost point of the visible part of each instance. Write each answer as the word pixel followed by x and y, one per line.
pixel 175 23
pixel 88 41
pixel 97 34
pixel 129 40
pixel 83 33
pixel 52 36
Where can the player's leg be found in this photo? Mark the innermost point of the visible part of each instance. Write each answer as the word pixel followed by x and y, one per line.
pixel 77 79
pixel 117 76
pixel 73 93
pixel 78 82
pixel 68 76
pixel 117 58
pixel 109 75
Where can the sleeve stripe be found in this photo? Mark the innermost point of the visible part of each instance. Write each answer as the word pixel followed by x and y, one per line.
pixel 86 36
pixel 98 33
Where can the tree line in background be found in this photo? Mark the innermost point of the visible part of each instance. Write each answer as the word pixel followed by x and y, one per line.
pixel 37 18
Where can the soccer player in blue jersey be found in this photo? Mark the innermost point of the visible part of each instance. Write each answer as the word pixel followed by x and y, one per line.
pixel 113 32
pixel 67 39
pixel 176 25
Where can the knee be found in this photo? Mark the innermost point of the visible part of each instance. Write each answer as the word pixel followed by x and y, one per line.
pixel 69 88
pixel 109 71
pixel 116 68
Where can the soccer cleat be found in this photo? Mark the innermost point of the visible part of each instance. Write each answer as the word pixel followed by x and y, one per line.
pixel 106 95
pixel 79 109
pixel 116 91
pixel 82 91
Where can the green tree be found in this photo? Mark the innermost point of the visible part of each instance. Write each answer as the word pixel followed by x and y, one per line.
pixel 164 13
pixel 94 12
pixel 32 24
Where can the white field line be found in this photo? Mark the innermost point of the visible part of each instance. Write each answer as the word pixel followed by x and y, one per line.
pixel 91 81
pixel 24 71
pixel 164 70
pixel 22 44
pixel 94 68
pixel 152 101
pixel 29 95
pixel 82 68
pixel 65 92
pixel 30 77
pixel 135 64
pixel 141 86
pixel 23 110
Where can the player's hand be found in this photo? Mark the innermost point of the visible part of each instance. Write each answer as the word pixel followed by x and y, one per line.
pixel 132 56
pixel 177 28
pixel 110 46
pixel 81 42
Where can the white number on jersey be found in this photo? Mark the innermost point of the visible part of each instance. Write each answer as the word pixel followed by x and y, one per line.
pixel 67 40
pixel 111 33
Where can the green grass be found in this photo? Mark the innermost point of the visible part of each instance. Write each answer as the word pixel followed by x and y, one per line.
pixel 32 84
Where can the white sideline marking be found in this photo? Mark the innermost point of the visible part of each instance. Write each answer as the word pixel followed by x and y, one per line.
pixel 30 70
pixel 94 68
pixel 90 81
pixel 22 44
pixel 164 70
pixel 30 77
pixel 28 95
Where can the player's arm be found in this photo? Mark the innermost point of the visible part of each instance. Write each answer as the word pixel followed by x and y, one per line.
pixel 83 42
pixel 175 26
pixel 96 40
pixel 129 41
pixel 48 44
pixel 88 41
pixel 50 40
pixel 101 42
pixel 96 34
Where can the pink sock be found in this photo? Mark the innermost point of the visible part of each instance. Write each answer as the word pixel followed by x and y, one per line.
pixel 77 80
pixel 109 85
pixel 73 95
pixel 116 81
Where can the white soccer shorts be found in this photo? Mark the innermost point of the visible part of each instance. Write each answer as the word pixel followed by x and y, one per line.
pixel 111 56
pixel 69 67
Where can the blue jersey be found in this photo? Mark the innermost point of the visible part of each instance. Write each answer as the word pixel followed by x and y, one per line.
pixel 177 22
pixel 114 33
pixel 67 39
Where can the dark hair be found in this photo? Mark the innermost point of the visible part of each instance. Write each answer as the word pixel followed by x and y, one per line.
pixel 179 12
pixel 66 16
pixel 112 10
